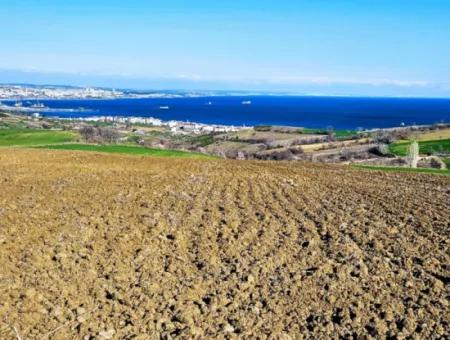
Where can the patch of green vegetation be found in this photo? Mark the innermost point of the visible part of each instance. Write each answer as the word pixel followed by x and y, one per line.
pixel 308 131
pixel 345 133
pixel 11 123
pixel 262 128
pixel 126 149
pixel 99 123
pixel 429 147
pixel 203 140
pixel 446 160
pixel 134 138
pixel 31 137
pixel 400 169
pixel 337 133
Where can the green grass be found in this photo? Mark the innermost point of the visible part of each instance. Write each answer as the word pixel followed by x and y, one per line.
pixel 345 133
pixel 126 149
pixel 31 137
pixel 203 140
pixel 338 133
pixel 400 169
pixel 400 148
pixel 446 160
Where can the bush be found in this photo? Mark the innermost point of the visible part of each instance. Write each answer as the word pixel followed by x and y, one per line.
pixel 296 151
pixel 97 134
pixel 385 137
pixel 380 150
pixel 46 126
pixel 436 164
pixel 282 155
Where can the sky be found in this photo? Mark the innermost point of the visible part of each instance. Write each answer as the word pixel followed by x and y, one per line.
pixel 334 47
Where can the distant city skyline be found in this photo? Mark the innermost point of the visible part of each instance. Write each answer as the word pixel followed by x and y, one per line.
pixel 382 48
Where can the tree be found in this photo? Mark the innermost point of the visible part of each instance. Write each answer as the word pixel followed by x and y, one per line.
pixel 99 134
pixel 413 154
pixel 88 133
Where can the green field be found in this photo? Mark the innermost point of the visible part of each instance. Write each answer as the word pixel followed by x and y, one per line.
pixel 63 140
pixel 126 149
pixel 30 137
pixel 400 148
pixel 337 133
pixel 399 169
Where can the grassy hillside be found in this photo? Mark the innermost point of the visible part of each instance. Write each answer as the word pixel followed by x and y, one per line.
pixel 30 137
pixel 400 148
pixel 126 149
pixel 63 140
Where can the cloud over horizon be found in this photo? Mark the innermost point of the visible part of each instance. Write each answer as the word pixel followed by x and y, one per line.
pixel 300 85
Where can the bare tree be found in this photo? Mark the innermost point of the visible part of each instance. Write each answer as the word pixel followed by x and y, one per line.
pixel 88 133
pixel 108 135
pixel 97 134
pixel 413 154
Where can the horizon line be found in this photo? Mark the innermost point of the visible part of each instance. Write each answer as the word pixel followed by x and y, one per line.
pixel 210 92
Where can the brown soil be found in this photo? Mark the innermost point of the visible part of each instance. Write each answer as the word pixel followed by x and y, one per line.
pixel 110 246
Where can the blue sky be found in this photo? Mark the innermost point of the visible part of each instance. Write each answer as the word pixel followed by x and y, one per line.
pixel 382 47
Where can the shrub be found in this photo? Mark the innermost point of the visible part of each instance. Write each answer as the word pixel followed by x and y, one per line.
pixel 380 150
pixel 97 134
pixel 282 155
pixel 297 151
pixel 384 137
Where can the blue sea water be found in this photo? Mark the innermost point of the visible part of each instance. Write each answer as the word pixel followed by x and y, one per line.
pixel 313 112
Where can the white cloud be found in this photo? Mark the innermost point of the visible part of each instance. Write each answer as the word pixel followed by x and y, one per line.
pixel 292 80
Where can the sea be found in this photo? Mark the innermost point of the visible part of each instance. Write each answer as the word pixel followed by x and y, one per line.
pixel 302 111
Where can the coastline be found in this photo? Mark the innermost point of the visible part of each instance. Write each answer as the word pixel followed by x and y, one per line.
pixel 310 112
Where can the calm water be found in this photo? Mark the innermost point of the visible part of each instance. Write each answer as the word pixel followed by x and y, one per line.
pixel 314 112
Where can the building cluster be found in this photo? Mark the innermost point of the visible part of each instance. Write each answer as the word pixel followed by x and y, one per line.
pixel 181 128
pixel 176 127
pixel 25 92
pixel 22 92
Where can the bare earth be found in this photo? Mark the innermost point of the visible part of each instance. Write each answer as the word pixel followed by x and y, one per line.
pixel 121 247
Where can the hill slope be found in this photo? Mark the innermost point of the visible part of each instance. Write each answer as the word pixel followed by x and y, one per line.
pixel 114 246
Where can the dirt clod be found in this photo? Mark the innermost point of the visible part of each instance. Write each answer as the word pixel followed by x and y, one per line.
pixel 105 246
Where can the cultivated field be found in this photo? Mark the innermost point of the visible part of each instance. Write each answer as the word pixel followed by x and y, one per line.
pixel 120 247
pixel 127 149
pixel 29 137
pixel 435 135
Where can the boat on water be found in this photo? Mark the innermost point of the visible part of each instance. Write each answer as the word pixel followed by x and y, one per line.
pixel 18 104
pixel 247 102
pixel 164 107
pixel 38 106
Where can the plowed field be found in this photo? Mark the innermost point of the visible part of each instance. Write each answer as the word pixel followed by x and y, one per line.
pixel 125 247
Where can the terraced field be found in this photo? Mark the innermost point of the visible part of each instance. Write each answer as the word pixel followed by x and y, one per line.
pixel 125 247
